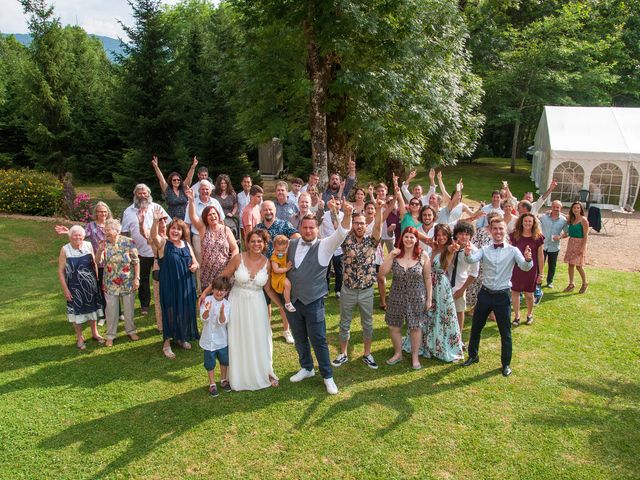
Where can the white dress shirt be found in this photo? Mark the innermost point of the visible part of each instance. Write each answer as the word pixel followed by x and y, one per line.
pixel 327 229
pixel 327 248
pixel 497 264
pixel 131 225
pixel 464 270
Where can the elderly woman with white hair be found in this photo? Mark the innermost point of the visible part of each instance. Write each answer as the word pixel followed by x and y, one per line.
pixel 121 279
pixel 78 276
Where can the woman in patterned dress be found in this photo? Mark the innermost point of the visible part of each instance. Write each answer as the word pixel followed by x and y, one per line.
pixel 441 333
pixel 78 277
pixel 121 279
pixel 94 231
pixel 410 295
pixel 218 243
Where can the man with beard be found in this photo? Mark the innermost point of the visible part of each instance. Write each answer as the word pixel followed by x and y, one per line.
pixel 333 188
pixel 202 201
pixel 359 261
pixel 136 223
pixel 311 257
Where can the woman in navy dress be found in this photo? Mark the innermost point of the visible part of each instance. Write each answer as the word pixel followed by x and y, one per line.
pixel 177 284
pixel 78 276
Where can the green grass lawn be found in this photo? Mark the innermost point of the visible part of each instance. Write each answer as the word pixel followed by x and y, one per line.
pixel 570 410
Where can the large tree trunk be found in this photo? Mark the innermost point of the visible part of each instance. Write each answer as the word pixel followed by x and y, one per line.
pixel 318 70
pixel 514 145
pixel 340 150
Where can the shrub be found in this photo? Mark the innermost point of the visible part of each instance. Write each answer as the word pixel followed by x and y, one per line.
pixel 30 192
pixel 82 208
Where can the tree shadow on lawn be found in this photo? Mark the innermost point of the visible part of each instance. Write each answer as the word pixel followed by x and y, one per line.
pixel 397 397
pixel 91 371
pixel 614 428
pixel 146 427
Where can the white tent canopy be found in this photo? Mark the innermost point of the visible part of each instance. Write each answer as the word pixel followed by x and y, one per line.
pixel 589 148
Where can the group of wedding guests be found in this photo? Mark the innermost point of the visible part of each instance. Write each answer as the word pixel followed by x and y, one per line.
pixel 440 263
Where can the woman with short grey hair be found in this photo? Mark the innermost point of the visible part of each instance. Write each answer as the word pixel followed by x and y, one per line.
pixel 121 279
pixel 78 277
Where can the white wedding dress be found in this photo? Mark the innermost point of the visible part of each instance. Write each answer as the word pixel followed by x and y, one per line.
pixel 250 346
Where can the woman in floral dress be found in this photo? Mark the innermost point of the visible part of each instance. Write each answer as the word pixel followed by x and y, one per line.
pixel 121 279
pixel 441 333
pixel 218 242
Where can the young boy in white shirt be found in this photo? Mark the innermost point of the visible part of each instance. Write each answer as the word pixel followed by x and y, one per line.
pixel 214 312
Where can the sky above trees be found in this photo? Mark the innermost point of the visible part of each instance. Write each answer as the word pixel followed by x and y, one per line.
pixel 97 17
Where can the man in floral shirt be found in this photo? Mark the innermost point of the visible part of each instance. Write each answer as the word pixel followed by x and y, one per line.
pixel 359 277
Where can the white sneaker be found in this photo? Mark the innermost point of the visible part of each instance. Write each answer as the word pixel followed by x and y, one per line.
pixel 101 322
pixel 288 337
pixel 302 374
pixel 331 386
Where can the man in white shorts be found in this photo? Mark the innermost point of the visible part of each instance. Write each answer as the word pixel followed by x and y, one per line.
pixel 462 274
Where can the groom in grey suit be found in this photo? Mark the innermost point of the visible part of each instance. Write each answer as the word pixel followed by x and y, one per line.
pixel 311 258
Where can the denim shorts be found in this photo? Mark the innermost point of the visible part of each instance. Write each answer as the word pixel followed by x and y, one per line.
pixel 210 358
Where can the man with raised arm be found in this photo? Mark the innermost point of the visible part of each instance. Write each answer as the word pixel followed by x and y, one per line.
pixel 311 257
pixel 498 260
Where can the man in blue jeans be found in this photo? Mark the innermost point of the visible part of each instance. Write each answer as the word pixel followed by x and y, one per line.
pixel 498 260
pixel 311 257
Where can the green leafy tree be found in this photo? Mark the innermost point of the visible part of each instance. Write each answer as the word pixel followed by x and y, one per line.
pixel 14 64
pixel 144 110
pixel 384 79
pixel 49 125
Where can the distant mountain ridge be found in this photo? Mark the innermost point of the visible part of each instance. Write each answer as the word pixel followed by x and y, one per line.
pixel 111 46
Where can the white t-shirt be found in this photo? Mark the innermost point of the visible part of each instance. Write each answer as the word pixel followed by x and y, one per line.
pixel 214 334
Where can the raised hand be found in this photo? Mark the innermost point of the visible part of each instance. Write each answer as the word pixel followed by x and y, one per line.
pixel 221 316
pixel 157 212
pixel 331 203
pixel 61 229
pixel 380 204
pixel 207 305
pixel 188 191
pixel 347 208
pixel 412 175
pixel 352 165
pixel 460 185
pixel 554 183
pixel 395 252
pixel 394 177
pixel 527 253
pixel 371 191
pixel 343 182
pixel 467 248
pixel 154 161
pixel 195 161
pixel 432 174
pixel 439 175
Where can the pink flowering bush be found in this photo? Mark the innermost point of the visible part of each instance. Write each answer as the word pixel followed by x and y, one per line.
pixel 82 208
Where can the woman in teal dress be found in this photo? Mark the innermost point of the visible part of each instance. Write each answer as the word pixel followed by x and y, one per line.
pixel 177 285
pixel 441 333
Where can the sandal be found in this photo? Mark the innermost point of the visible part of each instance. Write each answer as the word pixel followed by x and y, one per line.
pixel 134 337
pixel 108 343
pixel 569 288
pixel 81 345
pixel 99 339
pixel 383 308
pixel 393 362
pixel 274 382
pixel 529 320
pixel 168 352
pixel 185 345
pixel 583 288
pixel 516 321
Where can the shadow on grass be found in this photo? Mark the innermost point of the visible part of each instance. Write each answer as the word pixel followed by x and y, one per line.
pixel 395 397
pixel 92 371
pixel 148 426
pixel 614 427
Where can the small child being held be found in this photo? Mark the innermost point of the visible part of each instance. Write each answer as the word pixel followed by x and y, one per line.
pixel 279 268
pixel 214 312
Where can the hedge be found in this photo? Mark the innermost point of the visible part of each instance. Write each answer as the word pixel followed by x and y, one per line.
pixel 30 192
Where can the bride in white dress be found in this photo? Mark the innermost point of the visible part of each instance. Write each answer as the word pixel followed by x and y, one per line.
pixel 250 346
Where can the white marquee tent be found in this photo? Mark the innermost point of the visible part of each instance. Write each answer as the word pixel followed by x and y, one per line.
pixel 589 148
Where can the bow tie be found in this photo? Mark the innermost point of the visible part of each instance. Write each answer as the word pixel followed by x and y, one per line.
pixel 307 244
pixel 498 245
